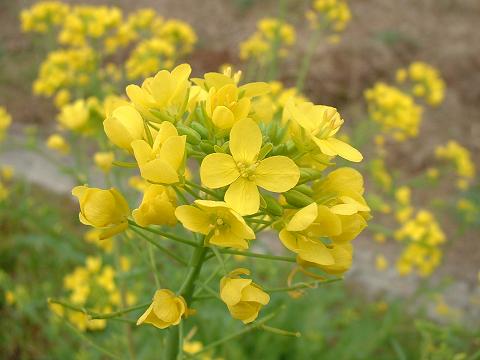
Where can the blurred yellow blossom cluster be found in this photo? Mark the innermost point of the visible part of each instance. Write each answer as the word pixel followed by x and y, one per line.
pixel 272 34
pixel 394 110
pixel 461 159
pixel 333 15
pixel 423 236
pixel 425 81
pixel 93 285
pixel 90 34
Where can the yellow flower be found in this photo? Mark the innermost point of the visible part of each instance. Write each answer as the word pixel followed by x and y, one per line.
pixel 10 297
pixel 7 172
pixel 381 263
pixel 320 123
pixel 74 116
pixel 162 162
pixel 157 207
pixel 166 92
pixel 103 209
pixel 243 171
pixel 123 126
pixel 166 310
pixel 58 143
pixel 304 231
pixel 215 219
pixel 104 160
pixel 243 297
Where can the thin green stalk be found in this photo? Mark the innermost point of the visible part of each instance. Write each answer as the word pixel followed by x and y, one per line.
pixel 161 248
pixel 153 265
pixel 164 234
pixel 199 187
pixel 280 331
pixel 257 255
pixel 95 315
pixel 89 341
pixel 303 285
pixel 186 290
pixel 245 330
pixel 307 59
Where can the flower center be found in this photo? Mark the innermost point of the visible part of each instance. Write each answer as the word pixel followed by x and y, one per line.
pixel 246 170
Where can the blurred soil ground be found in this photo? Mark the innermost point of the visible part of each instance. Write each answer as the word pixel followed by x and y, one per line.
pixel 383 36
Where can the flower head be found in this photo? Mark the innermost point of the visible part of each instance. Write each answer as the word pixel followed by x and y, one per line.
pixel 320 123
pixel 222 225
pixel 165 310
pixel 157 207
pixel 244 171
pixel 103 209
pixel 243 297
pixel 161 162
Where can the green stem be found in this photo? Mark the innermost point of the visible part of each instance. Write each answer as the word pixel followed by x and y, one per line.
pixel 280 331
pixel 161 248
pixel 186 290
pixel 302 285
pixel 307 59
pixel 164 234
pixel 199 187
pixel 95 315
pixel 256 255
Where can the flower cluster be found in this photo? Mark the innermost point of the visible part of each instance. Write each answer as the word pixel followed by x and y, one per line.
pixel 333 15
pixel 423 236
pixel 43 16
pixel 90 33
pixel 460 157
pixel 425 80
pixel 394 110
pixel 255 172
pixel 93 286
pixel 271 35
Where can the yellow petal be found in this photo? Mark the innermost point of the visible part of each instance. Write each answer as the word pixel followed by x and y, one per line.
pixel 277 174
pixel 255 89
pixel 314 251
pixel 193 219
pixel 245 141
pixel 142 151
pixel 243 197
pixel 228 239
pixel 254 293
pixel 173 151
pixel 345 150
pixel 325 147
pixel 223 117
pixel 218 170
pixel 159 171
pixel 326 223
pixel 303 218
pixel 231 291
pixel 241 109
pixel 288 239
pixel 344 209
pixel 245 311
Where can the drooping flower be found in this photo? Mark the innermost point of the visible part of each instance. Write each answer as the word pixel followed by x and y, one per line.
pixel 157 207
pixel 243 171
pixel 215 219
pixel 165 310
pixel 243 297
pixel 162 162
pixel 103 209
